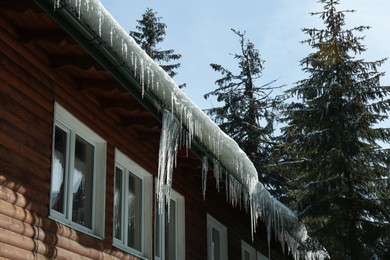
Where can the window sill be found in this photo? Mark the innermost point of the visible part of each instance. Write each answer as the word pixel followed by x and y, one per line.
pixel 129 250
pixel 76 227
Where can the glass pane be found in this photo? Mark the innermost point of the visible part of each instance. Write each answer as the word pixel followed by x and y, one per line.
pixel 134 201
pixel 216 245
pixel 118 204
pixel 247 255
pixel 82 186
pixel 58 170
pixel 170 232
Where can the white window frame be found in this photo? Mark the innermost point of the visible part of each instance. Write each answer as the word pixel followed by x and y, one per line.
pixel 245 247
pixel 131 167
pixel 212 223
pixel 254 255
pixel 260 256
pixel 72 126
pixel 180 228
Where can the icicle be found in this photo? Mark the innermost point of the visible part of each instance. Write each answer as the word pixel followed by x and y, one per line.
pixel 111 36
pixel 234 191
pixel 79 6
pixel 56 4
pixel 170 135
pixel 205 169
pixel 100 14
pixel 135 65
pixel 217 173
pixel 87 2
pixel 269 226
pixel 142 75
pixel 189 120
pixel 152 77
pixel 147 77
pixel 124 49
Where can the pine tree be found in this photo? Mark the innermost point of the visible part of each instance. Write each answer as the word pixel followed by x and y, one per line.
pixel 339 175
pixel 246 113
pixel 150 32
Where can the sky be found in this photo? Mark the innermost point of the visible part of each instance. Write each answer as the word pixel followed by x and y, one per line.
pixel 201 32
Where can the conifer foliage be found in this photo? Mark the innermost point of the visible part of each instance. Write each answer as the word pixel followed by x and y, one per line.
pixel 338 172
pixel 246 112
pixel 150 32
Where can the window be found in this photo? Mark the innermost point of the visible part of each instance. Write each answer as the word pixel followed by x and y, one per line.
pixel 170 234
pixel 216 240
pixel 260 256
pixel 249 253
pixel 132 206
pixel 78 171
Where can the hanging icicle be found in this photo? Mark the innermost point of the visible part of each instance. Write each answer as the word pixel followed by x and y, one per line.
pixel 217 173
pixel 169 141
pixel 205 169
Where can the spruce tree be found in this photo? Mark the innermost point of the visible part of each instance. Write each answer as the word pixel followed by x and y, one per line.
pixel 151 32
pixel 339 175
pixel 246 113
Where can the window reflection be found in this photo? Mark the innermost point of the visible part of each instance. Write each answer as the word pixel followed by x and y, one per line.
pixel 134 212
pixel 216 245
pixel 59 161
pixel 118 204
pixel 128 217
pixel 82 183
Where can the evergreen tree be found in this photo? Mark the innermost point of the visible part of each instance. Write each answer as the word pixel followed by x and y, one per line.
pixel 150 32
pixel 338 171
pixel 247 112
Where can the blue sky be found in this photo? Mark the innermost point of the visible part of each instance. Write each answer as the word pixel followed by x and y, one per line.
pixel 200 31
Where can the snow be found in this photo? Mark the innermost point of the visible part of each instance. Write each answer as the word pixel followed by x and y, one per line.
pixel 205 169
pixel 182 123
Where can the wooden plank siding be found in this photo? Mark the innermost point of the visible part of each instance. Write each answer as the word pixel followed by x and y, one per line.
pixel 29 87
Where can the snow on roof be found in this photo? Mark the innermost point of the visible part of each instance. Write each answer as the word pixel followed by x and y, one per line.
pixel 241 175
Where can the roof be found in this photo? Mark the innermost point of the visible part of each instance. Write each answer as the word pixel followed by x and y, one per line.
pixel 95 29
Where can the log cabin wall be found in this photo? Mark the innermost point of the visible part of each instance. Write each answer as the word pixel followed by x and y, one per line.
pixel 40 65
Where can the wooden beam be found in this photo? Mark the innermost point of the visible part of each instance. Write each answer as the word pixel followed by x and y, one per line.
pixel 120 104
pixel 95 85
pixel 83 62
pixel 19 5
pixel 139 118
pixel 53 35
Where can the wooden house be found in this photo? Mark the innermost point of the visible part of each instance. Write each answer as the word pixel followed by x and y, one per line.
pixel 86 125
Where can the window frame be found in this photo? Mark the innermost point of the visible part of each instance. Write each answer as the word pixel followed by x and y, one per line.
pixel 74 128
pixel 260 256
pixel 132 168
pixel 254 254
pixel 179 229
pixel 245 247
pixel 212 223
